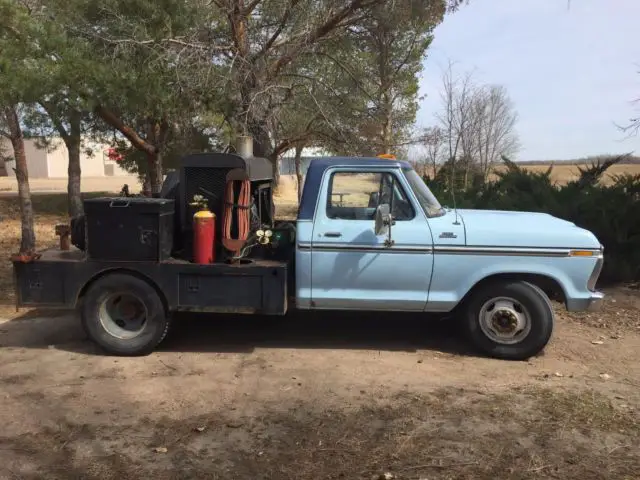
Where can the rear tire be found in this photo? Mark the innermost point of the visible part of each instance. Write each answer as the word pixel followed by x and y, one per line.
pixel 510 320
pixel 124 315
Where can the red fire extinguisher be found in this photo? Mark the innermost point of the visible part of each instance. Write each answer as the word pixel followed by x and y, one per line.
pixel 204 226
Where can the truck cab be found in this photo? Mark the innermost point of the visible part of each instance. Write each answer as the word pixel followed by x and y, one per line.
pixel 369 236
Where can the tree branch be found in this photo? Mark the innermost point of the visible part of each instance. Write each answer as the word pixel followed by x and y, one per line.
pixel 171 41
pixel 112 119
pixel 251 7
pixel 344 68
pixel 55 120
pixel 319 32
pixel 278 31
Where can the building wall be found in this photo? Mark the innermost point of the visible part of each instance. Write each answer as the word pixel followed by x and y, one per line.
pixel 36 158
pixel 53 161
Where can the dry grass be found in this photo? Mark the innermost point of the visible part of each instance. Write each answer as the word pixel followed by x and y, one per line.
pixel 564 173
pixel 89 184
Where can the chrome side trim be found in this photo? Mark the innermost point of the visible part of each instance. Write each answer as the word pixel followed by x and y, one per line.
pixel 444 250
pixel 349 247
pixel 504 251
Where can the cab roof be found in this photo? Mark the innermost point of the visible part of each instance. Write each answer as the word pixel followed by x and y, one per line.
pixel 326 162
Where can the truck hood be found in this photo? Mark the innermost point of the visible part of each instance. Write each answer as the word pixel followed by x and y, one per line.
pixel 502 228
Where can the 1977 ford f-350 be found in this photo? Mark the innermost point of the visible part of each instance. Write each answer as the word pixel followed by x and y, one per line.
pixel 369 236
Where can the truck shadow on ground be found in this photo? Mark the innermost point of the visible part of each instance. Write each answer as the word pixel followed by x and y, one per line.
pixel 323 330
pixel 244 333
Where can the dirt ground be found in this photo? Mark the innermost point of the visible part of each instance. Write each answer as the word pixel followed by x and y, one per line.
pixel 321 396
pixel 309 396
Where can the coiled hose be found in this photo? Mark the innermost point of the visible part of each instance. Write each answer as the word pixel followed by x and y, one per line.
pixel 240 211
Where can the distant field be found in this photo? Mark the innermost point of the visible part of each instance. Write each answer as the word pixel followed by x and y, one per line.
pixel 563 173
pixel 566 173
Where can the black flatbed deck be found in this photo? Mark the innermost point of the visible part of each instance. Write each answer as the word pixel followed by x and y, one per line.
pixel 58 279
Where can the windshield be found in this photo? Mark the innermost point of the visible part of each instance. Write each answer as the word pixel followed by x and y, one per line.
pixel 428 201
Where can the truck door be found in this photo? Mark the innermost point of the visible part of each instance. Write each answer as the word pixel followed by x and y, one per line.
pixel 351 267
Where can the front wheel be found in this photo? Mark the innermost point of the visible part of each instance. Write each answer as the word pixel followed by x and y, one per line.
pixel 511 320
pixel 124 315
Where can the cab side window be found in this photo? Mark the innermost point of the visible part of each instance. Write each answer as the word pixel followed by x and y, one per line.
pixel 356 195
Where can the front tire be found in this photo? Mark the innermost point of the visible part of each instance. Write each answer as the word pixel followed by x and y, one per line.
pixel 124 315
pixel 511 320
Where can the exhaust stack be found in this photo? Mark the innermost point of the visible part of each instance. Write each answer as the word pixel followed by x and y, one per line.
pixel 244 146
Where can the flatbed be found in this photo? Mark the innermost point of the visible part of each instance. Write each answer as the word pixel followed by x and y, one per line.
pixel 60 278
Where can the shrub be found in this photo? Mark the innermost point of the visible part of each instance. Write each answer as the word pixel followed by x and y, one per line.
pixel 611 212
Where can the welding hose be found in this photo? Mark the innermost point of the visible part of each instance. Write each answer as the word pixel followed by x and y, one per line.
pixel 242 212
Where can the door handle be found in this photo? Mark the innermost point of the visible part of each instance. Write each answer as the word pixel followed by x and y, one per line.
pixel 333 234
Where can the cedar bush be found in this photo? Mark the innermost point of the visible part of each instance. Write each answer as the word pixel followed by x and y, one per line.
pixel 611 212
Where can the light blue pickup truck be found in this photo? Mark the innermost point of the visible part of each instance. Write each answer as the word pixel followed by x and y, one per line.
pixel 369 236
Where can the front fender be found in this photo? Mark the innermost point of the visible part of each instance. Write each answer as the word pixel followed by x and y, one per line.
pixel 455 275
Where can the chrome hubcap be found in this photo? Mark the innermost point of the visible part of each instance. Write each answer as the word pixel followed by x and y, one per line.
pixel 504 320
pixel 122 315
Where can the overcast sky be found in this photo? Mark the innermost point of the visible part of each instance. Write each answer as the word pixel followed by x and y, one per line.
pixel 571 72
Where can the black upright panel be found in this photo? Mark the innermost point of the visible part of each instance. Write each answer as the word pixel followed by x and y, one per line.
pixel 129 228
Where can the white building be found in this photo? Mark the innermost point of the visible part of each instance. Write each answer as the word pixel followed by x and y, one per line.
pixel 53 161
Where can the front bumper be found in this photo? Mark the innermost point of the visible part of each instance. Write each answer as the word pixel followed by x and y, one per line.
pixel 592 303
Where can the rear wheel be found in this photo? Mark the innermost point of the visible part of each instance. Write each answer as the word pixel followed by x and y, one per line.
pixel 511 320
pixel 124 315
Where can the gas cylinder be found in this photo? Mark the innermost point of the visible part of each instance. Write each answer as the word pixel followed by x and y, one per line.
pixel 204 226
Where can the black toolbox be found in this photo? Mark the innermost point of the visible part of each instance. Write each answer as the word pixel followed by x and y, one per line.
pixel 129 228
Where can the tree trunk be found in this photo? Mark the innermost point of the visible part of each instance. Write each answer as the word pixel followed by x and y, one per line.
pixel 386 137
pixel 467 166
pixel 275 165
pixel 298 161
pixel 74 172
pixel 157 132
pixel 28 240
pixel 146 185
pixel 262 148
pixel 155 173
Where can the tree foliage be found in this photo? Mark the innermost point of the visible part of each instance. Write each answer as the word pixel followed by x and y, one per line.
pixel 383 58
pixel 272 52
pixel 266 67
pixel 125 55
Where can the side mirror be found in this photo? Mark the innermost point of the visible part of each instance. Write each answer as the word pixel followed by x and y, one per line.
pixel 383 223
pixel 382 219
